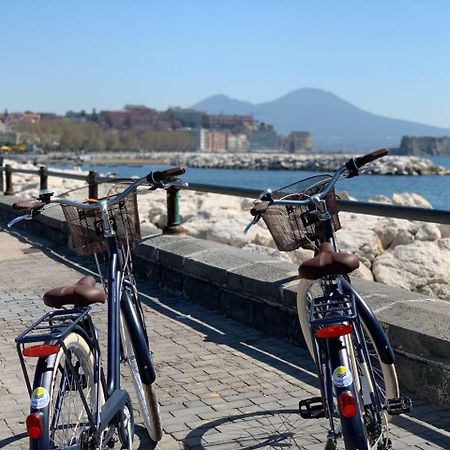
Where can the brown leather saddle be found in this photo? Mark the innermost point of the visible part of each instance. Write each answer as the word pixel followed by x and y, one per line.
pixel 328 262
pixel 82 293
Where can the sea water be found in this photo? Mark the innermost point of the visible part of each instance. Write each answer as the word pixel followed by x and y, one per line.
pixel 436 189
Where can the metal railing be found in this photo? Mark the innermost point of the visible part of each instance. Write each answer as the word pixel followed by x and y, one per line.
pixel 93 179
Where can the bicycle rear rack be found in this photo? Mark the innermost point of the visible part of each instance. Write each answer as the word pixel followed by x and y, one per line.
pixel 51 327
pixel 332 309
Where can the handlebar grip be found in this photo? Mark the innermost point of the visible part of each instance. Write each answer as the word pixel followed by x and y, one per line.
pixel 158 176
pixel 260 208
pixel 363 160
pixel 27 205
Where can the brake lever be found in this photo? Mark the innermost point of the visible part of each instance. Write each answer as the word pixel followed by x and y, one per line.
pixel 254 221
pixel 27 216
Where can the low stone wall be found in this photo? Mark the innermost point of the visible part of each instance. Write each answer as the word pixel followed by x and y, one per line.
pixel 261 292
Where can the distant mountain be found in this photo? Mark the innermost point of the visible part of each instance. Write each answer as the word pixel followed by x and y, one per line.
pixel 334 123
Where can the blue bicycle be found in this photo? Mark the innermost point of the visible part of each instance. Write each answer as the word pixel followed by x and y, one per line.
pixel 74 404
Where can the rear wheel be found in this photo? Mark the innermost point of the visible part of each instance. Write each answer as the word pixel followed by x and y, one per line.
pixel 57 384
pixel 385 374
pixel 385 377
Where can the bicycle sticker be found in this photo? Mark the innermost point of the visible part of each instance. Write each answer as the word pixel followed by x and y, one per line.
pixel 40 398
pixel 342 377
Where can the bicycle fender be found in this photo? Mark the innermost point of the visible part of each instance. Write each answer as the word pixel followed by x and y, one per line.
pixel 138 341
pixel 352 428
pixel 38 403
pixel 374 327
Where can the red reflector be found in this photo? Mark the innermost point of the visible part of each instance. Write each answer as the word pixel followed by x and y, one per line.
pixel 334 331
pixel 347 404
pixel 34 425
pixel 40 350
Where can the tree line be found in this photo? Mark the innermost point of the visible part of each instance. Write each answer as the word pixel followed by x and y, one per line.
pixel 63 135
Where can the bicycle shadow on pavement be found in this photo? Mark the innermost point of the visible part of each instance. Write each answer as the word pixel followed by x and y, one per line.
pixel 427 420
pixel 13 440
pixel 291 359
pixel 277 428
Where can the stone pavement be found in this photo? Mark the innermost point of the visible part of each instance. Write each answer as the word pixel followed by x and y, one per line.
pixel 221 385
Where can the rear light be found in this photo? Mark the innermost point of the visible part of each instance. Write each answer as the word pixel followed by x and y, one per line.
pixel 334 331
pixel 41 350
pixel 347 404
pixel 34 425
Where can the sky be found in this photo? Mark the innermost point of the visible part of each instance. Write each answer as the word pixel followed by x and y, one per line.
pixel 387 57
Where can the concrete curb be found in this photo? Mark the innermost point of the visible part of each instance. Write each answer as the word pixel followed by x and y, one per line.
pixel 261 292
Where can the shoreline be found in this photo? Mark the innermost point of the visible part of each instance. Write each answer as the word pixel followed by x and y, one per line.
pixel 317 162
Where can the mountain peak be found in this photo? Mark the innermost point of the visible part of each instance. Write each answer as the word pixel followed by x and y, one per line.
pixel 334 123
pixel 222 104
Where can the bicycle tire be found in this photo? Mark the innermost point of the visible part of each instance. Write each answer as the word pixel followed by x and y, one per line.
pixel 389 374
pixel 353 429
pixel 56 386
pixel 146 395
pixel 385 375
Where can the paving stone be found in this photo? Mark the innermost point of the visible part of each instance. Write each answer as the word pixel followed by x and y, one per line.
pixel 222 385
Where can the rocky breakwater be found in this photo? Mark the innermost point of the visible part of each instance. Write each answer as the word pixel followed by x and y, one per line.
pixel 390 165
pixel 410 254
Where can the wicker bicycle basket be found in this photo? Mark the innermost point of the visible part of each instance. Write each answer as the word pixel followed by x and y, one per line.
pixel 86 228
pixel 287 224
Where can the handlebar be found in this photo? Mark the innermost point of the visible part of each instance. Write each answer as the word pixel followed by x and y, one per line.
pixel 354 164
pixel 351 167
pixel 158 176
pixel 154 178
pixel 366 159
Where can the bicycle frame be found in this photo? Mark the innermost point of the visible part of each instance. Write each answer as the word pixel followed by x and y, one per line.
pixel 334 352
pixel 120 302
pixel 123 308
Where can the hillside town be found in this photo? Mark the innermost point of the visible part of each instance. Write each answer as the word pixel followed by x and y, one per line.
pixel 202 132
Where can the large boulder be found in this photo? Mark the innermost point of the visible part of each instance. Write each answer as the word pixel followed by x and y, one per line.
pixel 428 232
pixel 403 237
pixel 363 243
pixel 228 231
pixel 407 199
pixel 421 266
pixel 445 230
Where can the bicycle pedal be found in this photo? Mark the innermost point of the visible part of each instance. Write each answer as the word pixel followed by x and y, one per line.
pixel 311 408
pixel 400 405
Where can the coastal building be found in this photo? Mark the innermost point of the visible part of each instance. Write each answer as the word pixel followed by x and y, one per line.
pixel 198 139
pixel 209 141
pixel 216 141
pixel 264 138
pixel 9 119
pixel 238 142
pixel 423 146
pixel 298 142
pixel 187 118
pixel 135 118
pixel 232 123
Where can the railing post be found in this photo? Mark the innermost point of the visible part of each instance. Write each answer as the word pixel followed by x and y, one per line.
pixel 173 212
pixel 93 186
pixel 2 186
pixel 8 177
pixel 43 175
